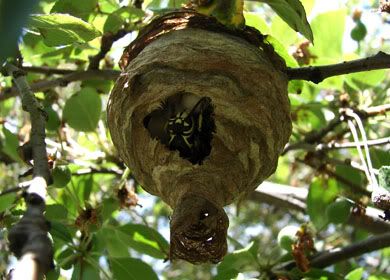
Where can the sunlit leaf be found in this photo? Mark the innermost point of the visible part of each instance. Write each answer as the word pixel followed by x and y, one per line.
pixel 293 13
pixel 79 9
pixel 146 240
pixel 121 17
pixel 329 40
pixel 6 201
pixel 356 274
pixel 257 21
pixel 63 29
pixel 10 144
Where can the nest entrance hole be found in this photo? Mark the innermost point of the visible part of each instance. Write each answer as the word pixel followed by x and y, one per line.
pixel 184 122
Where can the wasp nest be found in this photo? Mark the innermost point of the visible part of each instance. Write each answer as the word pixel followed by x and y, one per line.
pixel 200 117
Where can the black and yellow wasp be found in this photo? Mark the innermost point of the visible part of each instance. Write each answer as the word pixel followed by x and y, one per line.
pixel 184 122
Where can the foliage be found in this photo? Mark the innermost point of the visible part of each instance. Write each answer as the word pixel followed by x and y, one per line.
pixel 99 231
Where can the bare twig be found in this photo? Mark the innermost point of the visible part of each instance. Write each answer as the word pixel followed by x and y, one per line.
pixel 317 74
pixel 13 190
pixel 64 81
pixel 349 145
pixel 87 171
pixel 314 136
pixel 357 249
pixel 107 41
pixel 309 141
pixel 317 162
pixel 47 70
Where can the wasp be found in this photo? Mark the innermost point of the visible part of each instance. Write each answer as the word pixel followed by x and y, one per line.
pixel 182 128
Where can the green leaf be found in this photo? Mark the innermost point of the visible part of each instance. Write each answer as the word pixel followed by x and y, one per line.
pixel 352 174
pixel 282 51
pixel 63 29
pixel 10 144
pixel 121 17
pixel 53 274
pixel 293 13
pixel 256 21
pixel 58 230
pixel 109 205
pixel 328 40
pixel 281 30
pixel 83 270
pixel 356 274
pixel 83 187
pixel 13 16
pixel 108 6
pixel 384 177
pixel 146 240
pixel 61 176
pixel 379 157
pixel 227 274
pixel 116 242
pixel 367 79
pixel 131 269
pixel 66 258
pixel 53 120
pixel 6 201
pixel 82 110
pixel 56 212
pixel 339 211
pixel 287 236
pixel 321 193
pixel 237 261
pixel 80 9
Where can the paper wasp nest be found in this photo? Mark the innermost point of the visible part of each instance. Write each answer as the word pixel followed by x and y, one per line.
pixel 237 96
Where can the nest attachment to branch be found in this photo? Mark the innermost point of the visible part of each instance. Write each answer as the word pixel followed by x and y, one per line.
pixel 200 114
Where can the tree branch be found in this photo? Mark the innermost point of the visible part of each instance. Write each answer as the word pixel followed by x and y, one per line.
pixel 357 249
pixel 47 70
pixel 293 198
pixel 317 74
pixel 314 137
pixel 28 238
pixel 107 41
pixel 64 81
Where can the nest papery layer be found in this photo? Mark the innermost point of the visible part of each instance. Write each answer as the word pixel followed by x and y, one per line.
pixel 251 114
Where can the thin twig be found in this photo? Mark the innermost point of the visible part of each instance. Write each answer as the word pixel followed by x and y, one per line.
pixel 371 244
pixel 317 74
pixel 311 139
pixel 107 41
pixel 47 70
pixel 349 145
pixel 13 190
pixel 64 81
pixel 314 136
pixel 292 198
pixel 87 171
